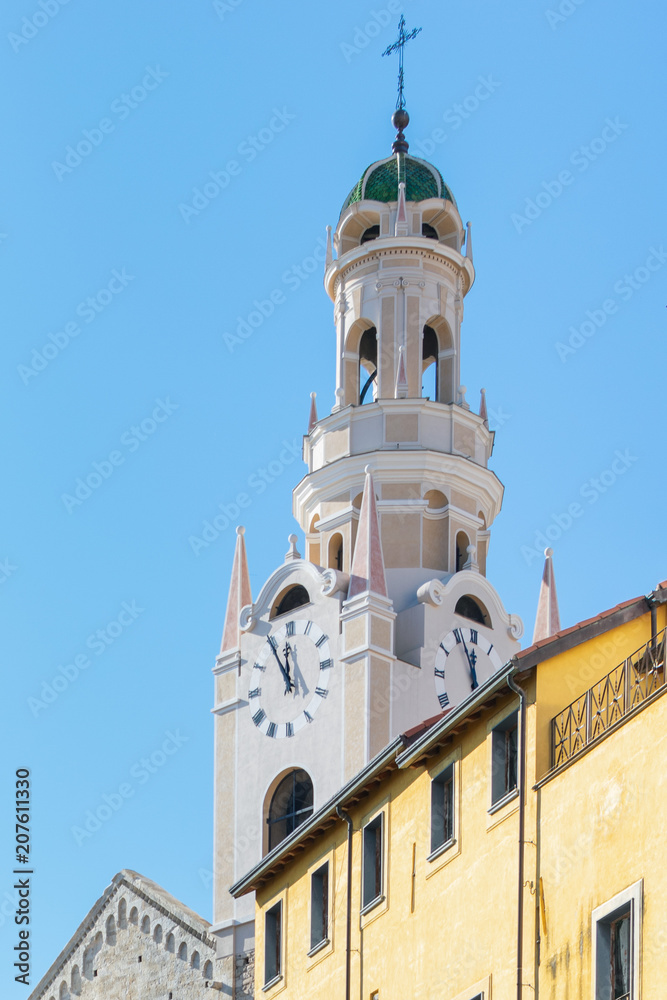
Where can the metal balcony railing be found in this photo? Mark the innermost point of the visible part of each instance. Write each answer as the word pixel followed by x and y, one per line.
pixel 623 691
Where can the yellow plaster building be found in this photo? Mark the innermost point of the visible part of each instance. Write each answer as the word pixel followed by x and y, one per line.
pixel 510 848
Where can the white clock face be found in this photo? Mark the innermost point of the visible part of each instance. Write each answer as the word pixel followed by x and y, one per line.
pixel 290 679
pixel 464 659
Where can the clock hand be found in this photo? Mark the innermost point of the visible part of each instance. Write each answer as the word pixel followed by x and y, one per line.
pixel 282 669
pixel 471 664
pixel 289 686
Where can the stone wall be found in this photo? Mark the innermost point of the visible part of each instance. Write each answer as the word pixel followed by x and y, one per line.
pixel 245 975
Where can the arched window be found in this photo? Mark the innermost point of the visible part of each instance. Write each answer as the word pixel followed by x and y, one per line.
pixel 122 914
pixel 208 971
pixel 294 597
pixel 183 951
pixel 134 915
pixel 371 233
pixel 157 934
pixel 76 981
pixel 430 363
pixel 145 925
pixel 291 805
pixel 111 930
pixel 63 993
pixel 462 543
pixel 429 232
pixel 436 499
pixel 194 961
pixel 90 955
pixel 171 943
pixel 368 361
pixel 471 607
pixel 336 552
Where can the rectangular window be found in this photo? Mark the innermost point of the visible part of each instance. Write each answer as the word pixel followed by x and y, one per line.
pixel 505 758
pixel 372 863
pixel 272 943
pixel 442 808
pixel 616 943
pixel 614 956
pixel 319 906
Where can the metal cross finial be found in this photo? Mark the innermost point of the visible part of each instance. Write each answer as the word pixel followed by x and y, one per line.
pixel 398 46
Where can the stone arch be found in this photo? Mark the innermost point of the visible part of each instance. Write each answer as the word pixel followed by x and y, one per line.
pixel 157 934
pixel 356 503
pixel 63 992
pixel 90 954
pixel 111 930
pixel 194 961
pixel 208 971
pixel 355 230
pixel 462 543
pixel 183 951
pixel 75 982
pixel 438 346
pixel 134 916
pixel 287 804
pixel 358 356
pixel 122 913
pixel 171 943
pixel 335 552
pixel 436 499
pixel 145 924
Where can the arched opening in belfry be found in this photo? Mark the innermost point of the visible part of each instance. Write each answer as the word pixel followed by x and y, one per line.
pixel 336 551
pixel 430 363
pixel 290 805
pixel 462 543
pixel 294 596
pixel 472 608
pixel 438 344
pixel 429 231
pixel 371 233
pixel 368 362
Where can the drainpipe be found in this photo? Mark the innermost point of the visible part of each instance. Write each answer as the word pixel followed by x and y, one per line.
pixel 522 823
pixel 651 601
pixel 348 819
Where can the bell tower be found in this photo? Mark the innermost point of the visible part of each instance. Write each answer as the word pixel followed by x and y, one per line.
pixel 387 618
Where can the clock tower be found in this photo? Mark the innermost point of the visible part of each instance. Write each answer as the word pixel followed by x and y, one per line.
pixel 387 618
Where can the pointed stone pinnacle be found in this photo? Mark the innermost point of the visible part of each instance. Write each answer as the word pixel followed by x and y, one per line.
pixel 547 620
pixel 367 572
pixel 239 595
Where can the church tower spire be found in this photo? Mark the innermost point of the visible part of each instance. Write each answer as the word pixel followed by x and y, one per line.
pixel 547 619
pixel 239 595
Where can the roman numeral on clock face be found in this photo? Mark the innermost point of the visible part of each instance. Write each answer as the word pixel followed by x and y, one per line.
pixel 457 634
pixel 290 628
pixel 322 692
pixel 289 729
pixel 273 641
pixel 473 635
pixel 259 716
pixel 254 693
pixel 322 639
pixel 271 731
pixel 308 716
pixel 326 664
pixel 443 699
pixel 444 649
pixel 440 673
pixel 260 666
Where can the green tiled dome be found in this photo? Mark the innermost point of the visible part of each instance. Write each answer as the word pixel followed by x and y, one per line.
pixel 379 182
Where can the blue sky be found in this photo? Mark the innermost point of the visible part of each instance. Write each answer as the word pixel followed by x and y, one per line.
pixel 120 310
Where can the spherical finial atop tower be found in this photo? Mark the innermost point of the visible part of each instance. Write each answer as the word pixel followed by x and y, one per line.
pixel 400 120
